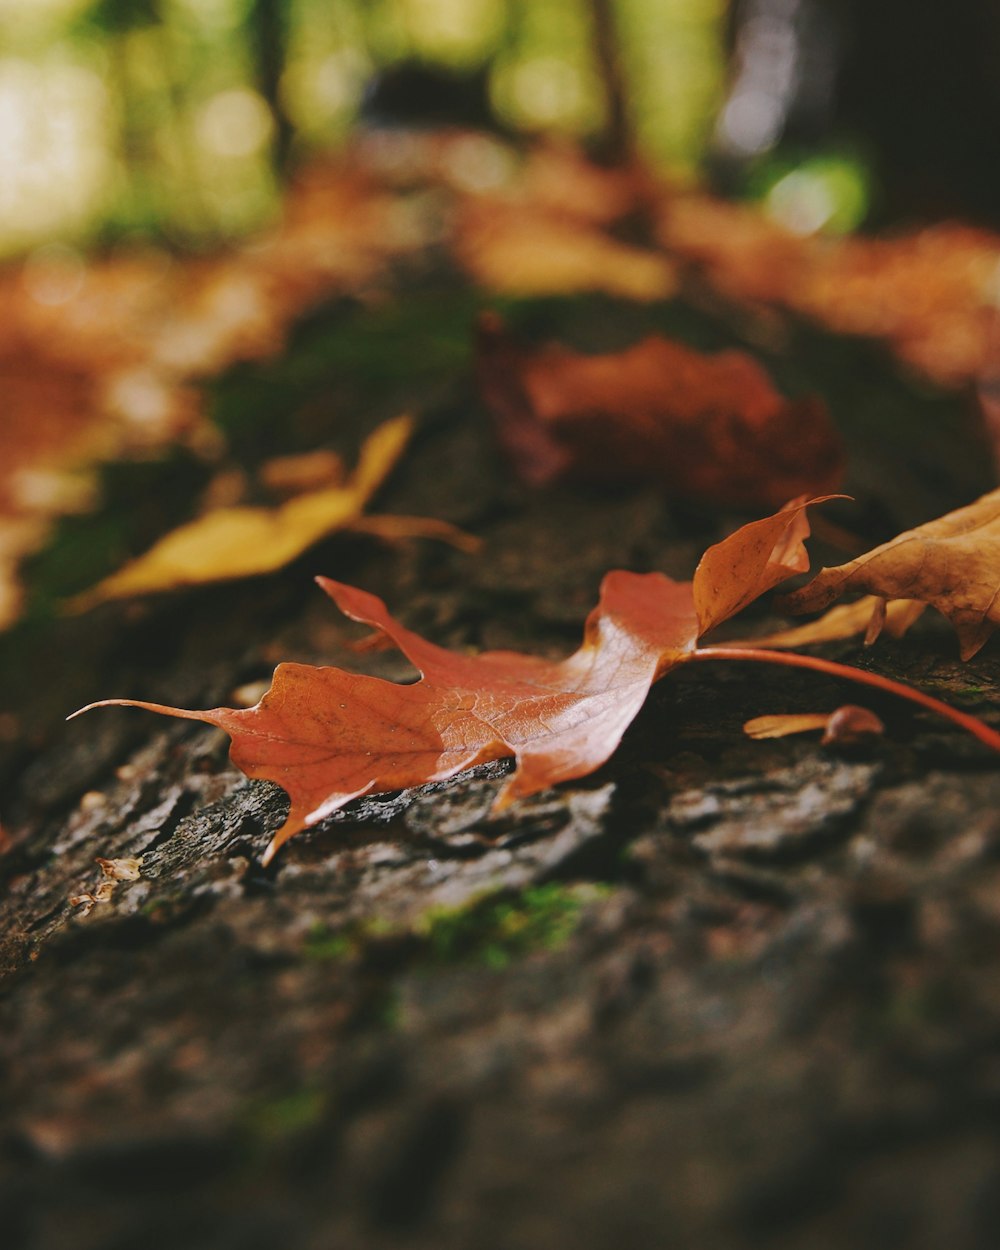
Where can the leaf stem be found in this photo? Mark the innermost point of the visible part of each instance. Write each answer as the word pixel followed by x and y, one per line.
pixel 971 724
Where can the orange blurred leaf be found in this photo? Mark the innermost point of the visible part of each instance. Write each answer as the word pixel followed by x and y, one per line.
pixel 708 427
pixel 516 250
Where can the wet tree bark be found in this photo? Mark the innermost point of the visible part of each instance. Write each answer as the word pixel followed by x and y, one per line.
pixel 720 994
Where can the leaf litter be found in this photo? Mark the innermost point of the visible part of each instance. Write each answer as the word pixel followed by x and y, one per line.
pixel 559 413
pixel 105 359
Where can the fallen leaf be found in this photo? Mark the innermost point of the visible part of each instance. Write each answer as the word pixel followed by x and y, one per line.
pixel 393 528
pixel 514 250
pixel 929 294
pixel 846 620
pixel 951 563
pixel 751 561
pixel 546 231
pixel 244 541
pixel 291 475
pixel 844 726
pixel 86 901
pixel 127 869
pixel 102 359
pixel 328 736
pixel 708 427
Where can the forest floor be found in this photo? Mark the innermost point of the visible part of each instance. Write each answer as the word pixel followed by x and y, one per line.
pixel 720 994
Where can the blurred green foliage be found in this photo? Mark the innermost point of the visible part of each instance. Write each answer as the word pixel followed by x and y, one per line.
pixel 177 119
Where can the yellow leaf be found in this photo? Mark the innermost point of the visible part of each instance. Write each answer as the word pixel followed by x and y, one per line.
pixel 244 541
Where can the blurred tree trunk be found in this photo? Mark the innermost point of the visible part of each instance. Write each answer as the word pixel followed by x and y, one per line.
pixel 618 134
pixel 267 26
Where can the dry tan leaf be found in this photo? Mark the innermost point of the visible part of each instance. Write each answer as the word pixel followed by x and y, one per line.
pixel 951 563
pixel 121 869
pixel 846 620
pixel 781 724
pixel 393 528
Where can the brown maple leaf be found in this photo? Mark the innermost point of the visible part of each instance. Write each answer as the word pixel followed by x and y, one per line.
pixel 328 736
pixel 951 563
pixel 707 427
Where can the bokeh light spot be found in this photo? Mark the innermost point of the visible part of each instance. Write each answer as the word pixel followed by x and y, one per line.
pixel 235 123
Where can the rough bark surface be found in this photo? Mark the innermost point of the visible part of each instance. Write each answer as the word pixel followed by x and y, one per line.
pixel 721 994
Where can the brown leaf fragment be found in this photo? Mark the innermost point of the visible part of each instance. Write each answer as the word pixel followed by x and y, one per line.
pixel 707 427
pixel 310 470
pixel 782 724
pixel 750 562
pixel 951 563
pixel 87 901
pixel 847 725
pixel 112 872
pixel 121 869
pixel 845 621
pixel 850 724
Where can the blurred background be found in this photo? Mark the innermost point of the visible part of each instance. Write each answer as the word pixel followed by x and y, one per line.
pixel 179 119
